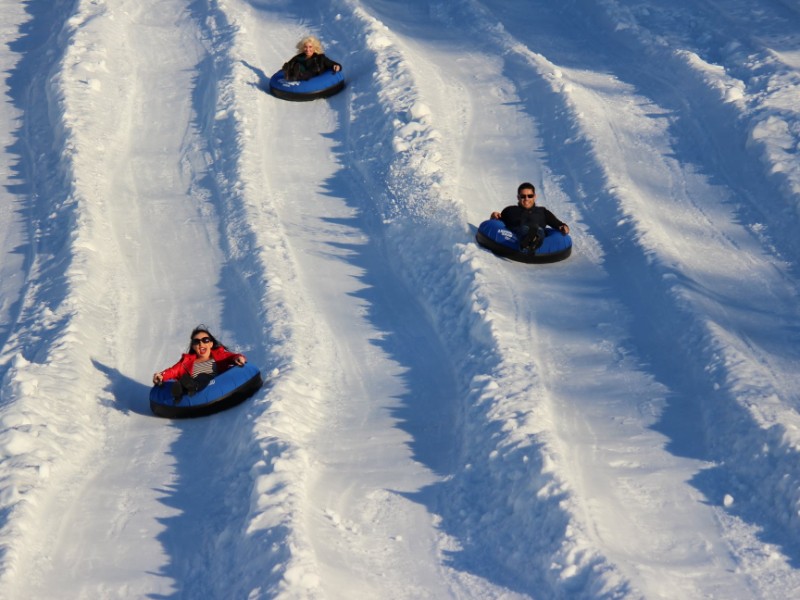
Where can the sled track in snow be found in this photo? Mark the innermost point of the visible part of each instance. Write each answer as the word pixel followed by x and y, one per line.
pixel 531 548
pixel 737 398
pixel 75 287
pixel 44 322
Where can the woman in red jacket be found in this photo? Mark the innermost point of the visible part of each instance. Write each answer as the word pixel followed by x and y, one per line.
pixel 205 359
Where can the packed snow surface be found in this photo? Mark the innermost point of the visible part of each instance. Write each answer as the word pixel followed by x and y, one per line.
pixel 437 422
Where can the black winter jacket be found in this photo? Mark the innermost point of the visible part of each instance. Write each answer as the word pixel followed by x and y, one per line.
pixel 534 217
pixel 302 67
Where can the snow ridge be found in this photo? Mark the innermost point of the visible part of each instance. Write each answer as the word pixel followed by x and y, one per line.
pixel 750 410
pixel 749 73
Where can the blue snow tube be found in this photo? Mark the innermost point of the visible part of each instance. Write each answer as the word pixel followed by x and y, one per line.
pixel 227 389
pixel 322 86
pixel 492 234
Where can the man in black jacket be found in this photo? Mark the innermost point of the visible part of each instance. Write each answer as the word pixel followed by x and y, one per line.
pixel 526 220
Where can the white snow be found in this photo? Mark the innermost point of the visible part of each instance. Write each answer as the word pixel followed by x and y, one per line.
pixel 437 422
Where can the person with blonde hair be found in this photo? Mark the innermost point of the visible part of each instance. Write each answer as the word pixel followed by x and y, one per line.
pixel 310 62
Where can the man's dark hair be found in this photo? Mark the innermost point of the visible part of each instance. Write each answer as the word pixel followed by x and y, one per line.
pixel 525 186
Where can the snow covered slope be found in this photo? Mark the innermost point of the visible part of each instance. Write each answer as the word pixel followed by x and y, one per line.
pixel 437 422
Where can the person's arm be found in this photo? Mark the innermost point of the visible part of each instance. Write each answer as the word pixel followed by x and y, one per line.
pixel 327 63
pixel 173 372
pixel 556 223
pixel 290 62
pixel 510 216
pixel 226 359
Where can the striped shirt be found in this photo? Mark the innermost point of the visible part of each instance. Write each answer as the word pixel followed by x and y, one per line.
pixel 206 367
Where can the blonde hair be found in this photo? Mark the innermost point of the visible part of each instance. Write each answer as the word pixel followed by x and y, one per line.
pixel 313 41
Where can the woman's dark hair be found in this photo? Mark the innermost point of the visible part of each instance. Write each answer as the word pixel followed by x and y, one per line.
pixel 202 329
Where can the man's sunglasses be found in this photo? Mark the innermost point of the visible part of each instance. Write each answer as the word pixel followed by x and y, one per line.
pixel 527 195
pixel 202 340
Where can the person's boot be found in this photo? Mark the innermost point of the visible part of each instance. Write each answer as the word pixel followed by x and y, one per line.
pixel 533 240
pixel 177 391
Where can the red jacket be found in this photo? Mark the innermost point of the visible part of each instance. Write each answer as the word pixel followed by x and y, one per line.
pixel 221 356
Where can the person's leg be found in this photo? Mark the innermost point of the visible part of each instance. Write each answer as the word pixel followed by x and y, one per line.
pixel 522 233
pixel 177 391
pixel 201 381
pixel 530 237
pixel 184 385
pixel 535 238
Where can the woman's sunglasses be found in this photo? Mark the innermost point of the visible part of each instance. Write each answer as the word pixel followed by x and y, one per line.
pixel 202 340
